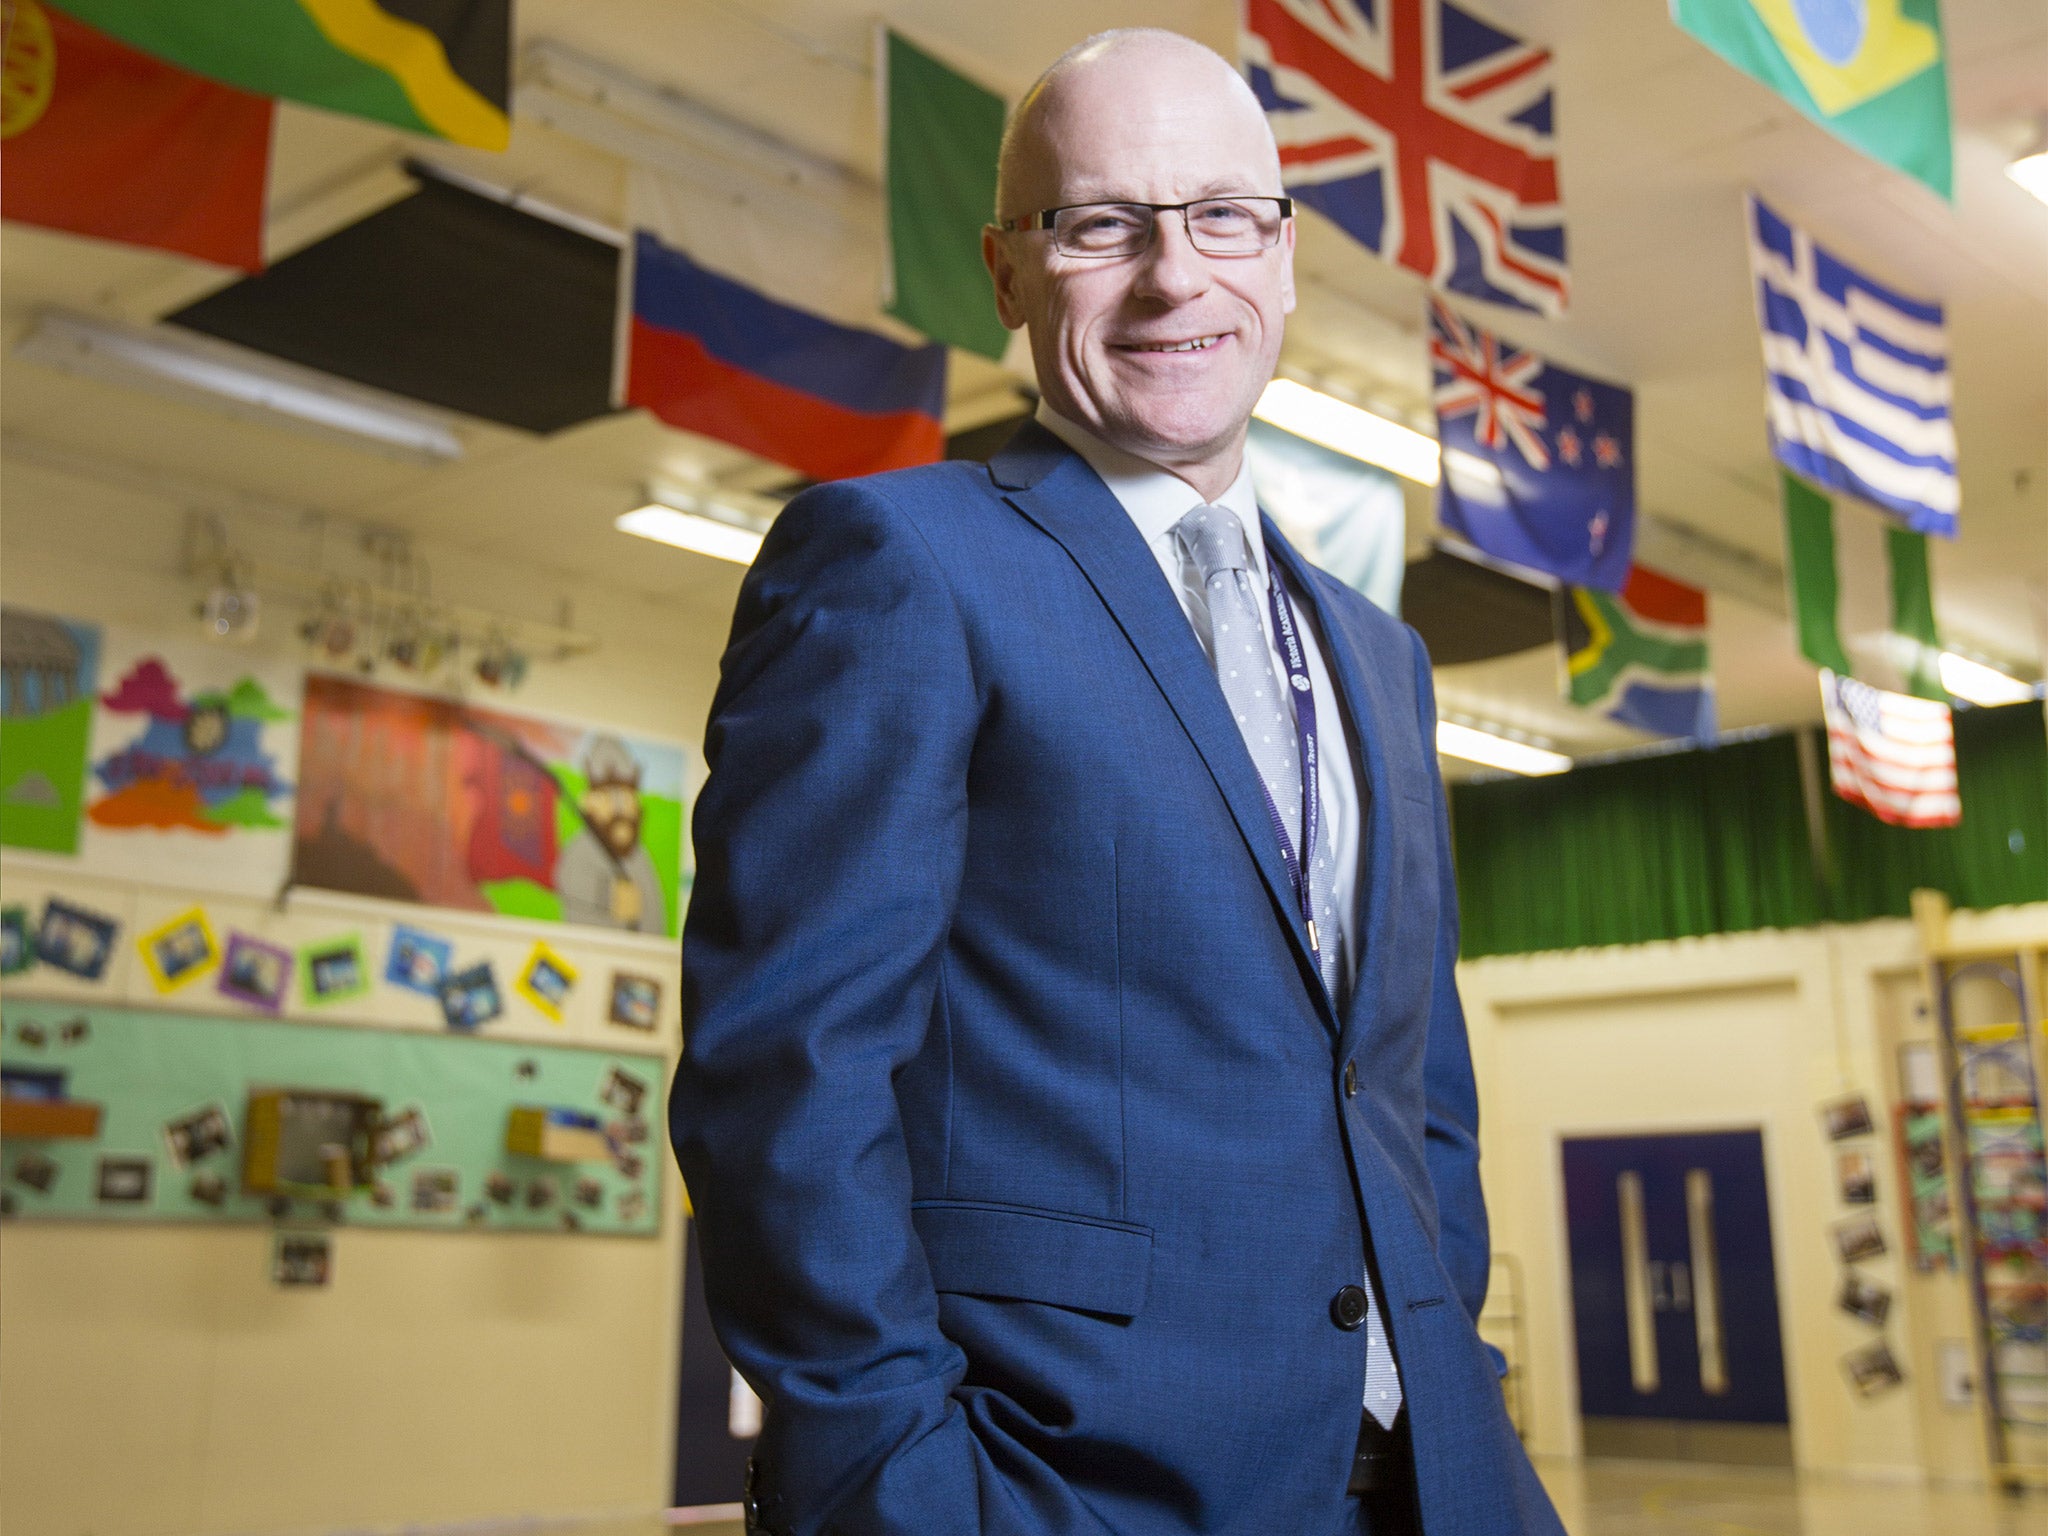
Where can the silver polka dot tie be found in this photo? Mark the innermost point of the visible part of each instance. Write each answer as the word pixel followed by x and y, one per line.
pixel 1215 545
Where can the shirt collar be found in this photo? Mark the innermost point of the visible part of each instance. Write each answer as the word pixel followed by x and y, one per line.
pixel 1157 498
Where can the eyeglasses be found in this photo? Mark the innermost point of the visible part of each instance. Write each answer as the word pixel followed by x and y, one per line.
pixel 1216 226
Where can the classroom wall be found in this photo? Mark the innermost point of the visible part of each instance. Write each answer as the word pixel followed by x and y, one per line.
pixel 1730 1032
pixel 152 1380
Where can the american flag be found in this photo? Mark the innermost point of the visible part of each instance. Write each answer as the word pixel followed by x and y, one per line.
pixel 1424 132
pixel 1891 753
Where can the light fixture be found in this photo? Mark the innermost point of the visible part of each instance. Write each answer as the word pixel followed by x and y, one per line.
pixel 1357 433
pixel 188 365
pixel 1977 683
pixel 2030 167
pixel 1491 751
pixel 695 523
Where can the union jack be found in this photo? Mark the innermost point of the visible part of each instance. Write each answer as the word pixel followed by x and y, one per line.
pixel 1478 375
pixel 1424 132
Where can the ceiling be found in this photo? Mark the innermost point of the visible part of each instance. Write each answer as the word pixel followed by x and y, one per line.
pixel 1659 139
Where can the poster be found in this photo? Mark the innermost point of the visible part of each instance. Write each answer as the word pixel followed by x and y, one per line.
pixel 49 670
pixel 434 801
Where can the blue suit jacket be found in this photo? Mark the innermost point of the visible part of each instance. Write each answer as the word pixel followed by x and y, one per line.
pixel 1011 1108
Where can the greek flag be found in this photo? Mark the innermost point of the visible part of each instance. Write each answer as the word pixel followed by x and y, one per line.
pixel 1856 377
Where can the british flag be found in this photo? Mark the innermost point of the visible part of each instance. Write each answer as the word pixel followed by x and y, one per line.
pixel 1424 132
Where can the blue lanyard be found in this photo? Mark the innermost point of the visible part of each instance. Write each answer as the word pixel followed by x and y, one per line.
pixel 1303 689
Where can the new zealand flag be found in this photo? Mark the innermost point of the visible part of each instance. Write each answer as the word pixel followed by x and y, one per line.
pixel 1538 462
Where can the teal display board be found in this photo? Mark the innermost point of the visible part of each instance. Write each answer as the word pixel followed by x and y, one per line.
pixel 173 1090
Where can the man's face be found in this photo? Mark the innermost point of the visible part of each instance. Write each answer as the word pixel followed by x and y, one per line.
pixel 615 811
pixel 1108 337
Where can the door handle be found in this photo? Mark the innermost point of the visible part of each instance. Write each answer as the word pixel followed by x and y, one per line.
pixel 1637 1285
pixel 1706 1281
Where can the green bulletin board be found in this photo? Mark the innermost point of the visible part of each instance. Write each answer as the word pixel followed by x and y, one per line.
pixel 156 1076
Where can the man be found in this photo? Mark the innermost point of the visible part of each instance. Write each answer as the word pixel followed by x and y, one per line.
pixel 604 874
pixel 1076 1101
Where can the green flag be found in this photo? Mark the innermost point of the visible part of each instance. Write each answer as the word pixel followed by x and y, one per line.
pixel 1872 72
pixel 442 69
pixel 940 136
pixel 1862 603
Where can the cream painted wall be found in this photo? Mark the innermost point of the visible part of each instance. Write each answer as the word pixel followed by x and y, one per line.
pixel 151 1379
pixel 1732 1032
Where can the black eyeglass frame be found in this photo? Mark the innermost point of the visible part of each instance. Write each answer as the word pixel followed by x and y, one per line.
pixel 1043 219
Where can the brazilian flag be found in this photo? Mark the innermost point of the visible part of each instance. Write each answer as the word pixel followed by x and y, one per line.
pixel 439 67
pixel 1872 72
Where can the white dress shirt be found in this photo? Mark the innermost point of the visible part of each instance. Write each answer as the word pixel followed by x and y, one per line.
pixel 1156 500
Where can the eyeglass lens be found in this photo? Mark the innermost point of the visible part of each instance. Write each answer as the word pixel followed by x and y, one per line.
pixel 1220 227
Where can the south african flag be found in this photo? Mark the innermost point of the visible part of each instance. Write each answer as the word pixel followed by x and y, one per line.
pixel 1639 655
pixel 439 67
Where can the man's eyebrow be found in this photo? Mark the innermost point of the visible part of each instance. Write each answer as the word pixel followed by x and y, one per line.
pixel 1228 187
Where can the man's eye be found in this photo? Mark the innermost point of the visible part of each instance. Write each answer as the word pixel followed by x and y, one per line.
pixel 1107 223
pixel 1223 216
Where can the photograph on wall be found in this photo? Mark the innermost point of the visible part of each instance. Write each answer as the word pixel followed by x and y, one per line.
pixel 434 801
pixel 1861 1297
pixel 197 1135
pixel 546 981
pixel 1847 1116
pixel 1858 1238
pixel 1856 1177
pixel 401 1136
pixel 191 765
pixel 255 973
pixel 1872 1369
pixel 49 672
pixel 180 951
pixel 75 939
pixel 470 998
pixel 636 1000
pixel 17 949
pixel 334 969
pixel 124 1180
pixel 35 1170
pixel 418 960
pixel 302 1259
pixel 436 1190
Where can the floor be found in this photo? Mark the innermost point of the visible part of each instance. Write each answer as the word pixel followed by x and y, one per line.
pixel 1649 1498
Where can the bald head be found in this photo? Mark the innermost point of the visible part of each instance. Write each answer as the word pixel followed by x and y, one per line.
pixel 1082 110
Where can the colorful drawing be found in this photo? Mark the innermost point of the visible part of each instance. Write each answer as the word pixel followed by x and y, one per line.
pixel 17 949
pixel 199 762
pixel 430 800
pixel 334 969
pixel 636 1000
pixel 470 998
pixel 75 939
pixel 255 973
pixel 418 960
pixel 180 951
pixel 546 981
pixel 49 670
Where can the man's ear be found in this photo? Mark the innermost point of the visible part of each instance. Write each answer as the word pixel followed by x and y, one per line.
pixel 1003 272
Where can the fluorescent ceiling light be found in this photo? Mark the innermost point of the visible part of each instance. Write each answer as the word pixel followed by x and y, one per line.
pixel 187 364
pixel 1979 684
pixel 1454 740
pixel 692 531
pixel 1360 434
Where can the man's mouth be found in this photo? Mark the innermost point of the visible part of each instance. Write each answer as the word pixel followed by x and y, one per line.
pixel 1192 344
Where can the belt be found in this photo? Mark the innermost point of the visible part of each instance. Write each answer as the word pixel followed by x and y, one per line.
pixel 1383 1459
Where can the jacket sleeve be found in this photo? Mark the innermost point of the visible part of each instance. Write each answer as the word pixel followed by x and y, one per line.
pixel 829 842
pixel 1451 1122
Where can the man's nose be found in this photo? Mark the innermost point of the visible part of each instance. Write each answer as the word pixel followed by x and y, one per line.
pixel 1172 270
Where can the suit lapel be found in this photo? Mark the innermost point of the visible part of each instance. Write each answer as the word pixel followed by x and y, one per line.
pixel 1054 487
pixel 1368 708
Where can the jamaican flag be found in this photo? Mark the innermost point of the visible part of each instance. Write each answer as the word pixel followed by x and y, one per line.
pixel 440 67
pixel 1639 655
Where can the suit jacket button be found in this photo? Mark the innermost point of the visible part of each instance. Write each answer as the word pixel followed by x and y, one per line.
pixel 1351 1079
pixel 1347 1308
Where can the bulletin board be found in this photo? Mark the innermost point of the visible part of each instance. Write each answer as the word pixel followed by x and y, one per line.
pixel 173 1091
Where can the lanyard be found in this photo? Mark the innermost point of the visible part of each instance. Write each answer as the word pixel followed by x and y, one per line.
pixel 1299 684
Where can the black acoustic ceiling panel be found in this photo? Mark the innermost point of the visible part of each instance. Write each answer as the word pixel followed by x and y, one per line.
pixel 1467 612
pixel 447 297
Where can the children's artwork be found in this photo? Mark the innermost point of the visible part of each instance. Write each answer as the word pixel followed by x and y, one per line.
pixel 622 1091
pixel 1872 1369
pixel 1862 1297
pixel 255 973
pixel 433 801
pixel 75 939
pixel 17 949
pixel 1847 1116
pixel 436 1190
pixel 334 969
pixel 1856 1177
pixel 1860 1237
pixel 302 1259
pixel 418 960
pixel 197 1135
pixel 1923 1162
pixel 125 1180
pixel 401 1137
pixel 180 951
pixel 49 671
pixel 546 981
pixel 636 1000
pixel 470 998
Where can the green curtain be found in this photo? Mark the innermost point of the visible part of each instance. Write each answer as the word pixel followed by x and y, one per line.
pixel 1716 840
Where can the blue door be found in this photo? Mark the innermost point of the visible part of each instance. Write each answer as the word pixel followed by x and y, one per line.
pixel 1674 1292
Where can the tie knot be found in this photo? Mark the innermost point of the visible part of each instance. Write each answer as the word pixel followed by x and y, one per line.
pixel 1214 540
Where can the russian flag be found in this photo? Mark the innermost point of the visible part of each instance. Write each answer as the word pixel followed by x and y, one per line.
pixel 713 356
